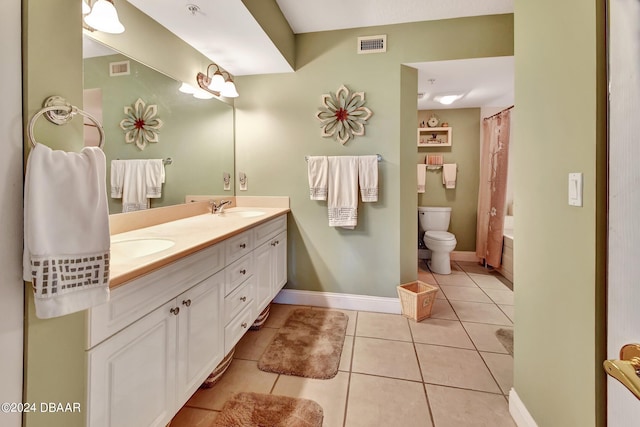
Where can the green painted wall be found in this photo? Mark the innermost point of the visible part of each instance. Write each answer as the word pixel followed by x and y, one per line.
pixel 54 356
pixel 276 128
pixel 465 152
pixel 196 133
pixel 559 249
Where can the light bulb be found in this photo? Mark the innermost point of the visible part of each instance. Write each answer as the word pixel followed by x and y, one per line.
pixel 187 88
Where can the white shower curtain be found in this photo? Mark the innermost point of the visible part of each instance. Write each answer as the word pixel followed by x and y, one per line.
pixel 492 194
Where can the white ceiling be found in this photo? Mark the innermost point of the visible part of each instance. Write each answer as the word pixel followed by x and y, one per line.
pixel 225 32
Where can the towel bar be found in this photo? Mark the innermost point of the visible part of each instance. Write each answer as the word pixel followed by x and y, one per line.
pixel 306 158
pixel 58 111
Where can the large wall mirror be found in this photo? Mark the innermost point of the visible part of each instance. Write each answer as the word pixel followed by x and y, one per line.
pixel 197 134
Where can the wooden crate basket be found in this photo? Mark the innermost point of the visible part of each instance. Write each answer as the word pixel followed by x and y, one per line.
pixel 416 299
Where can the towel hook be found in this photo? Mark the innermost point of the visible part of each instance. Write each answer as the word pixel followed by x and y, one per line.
pixel 58 111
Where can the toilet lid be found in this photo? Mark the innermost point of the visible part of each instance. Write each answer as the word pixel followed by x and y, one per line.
pixel 440 235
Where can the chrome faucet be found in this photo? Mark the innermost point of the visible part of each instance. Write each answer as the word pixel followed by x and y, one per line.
pixel 218 207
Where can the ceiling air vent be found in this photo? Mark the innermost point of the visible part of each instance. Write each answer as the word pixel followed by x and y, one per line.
pixel 119 68
pixel 372 44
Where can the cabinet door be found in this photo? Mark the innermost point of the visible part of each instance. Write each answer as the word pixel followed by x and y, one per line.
pixel 279 263
pixel 200 334
pixel 263 272
pixel 132 374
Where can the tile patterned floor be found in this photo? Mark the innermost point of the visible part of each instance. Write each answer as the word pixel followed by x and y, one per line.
pixel 447 371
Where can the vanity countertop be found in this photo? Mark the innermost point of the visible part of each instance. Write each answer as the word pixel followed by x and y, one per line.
pixel 188 235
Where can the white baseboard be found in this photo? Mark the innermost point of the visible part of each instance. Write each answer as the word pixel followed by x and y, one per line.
pixel 341 301
pixel 519 412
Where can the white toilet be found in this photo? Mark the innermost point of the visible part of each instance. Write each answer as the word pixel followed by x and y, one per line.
pixel 434 221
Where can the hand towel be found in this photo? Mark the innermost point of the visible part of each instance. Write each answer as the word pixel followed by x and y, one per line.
pixel 368 178
pixel 117 178
pixel 317 171
pixel 422 177
pixel 154 177
pixel 130 182
pixel 342 199
pixel 449 171
pixel 66 230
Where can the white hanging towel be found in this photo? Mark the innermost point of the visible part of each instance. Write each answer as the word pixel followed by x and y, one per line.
pixel 449 171
pixel 422 177
pixel 66 230
pixel 317 170
pixel 342 199
pixel 368 178
pixel 117 178
pixel 154 176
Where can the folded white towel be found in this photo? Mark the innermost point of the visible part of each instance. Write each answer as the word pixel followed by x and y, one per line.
pixel 422 177
pixel 368 178
pixel 317 171
pixel 66 230
pixel 449 171
pixel 342 199
pixel 154 172
pixel 117 178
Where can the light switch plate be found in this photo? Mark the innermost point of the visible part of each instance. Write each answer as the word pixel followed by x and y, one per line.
pixel 575 189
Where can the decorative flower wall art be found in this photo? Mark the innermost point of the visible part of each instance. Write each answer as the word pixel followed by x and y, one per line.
pixel 141 124
pixel 343 114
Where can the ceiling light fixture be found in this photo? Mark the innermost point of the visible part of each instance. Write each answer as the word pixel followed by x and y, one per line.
pixel 103 17
pixel 217 84
pixel 448 99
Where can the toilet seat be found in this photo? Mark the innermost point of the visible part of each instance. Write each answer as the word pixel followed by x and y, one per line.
pixel 440 236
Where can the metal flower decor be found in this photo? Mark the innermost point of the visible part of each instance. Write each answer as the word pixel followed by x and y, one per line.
pixel 141 125
pixel 343 115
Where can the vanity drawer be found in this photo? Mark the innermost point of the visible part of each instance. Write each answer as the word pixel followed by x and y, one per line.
pixel 269 229
pixel 237 300
pixel 238 246
pixel 237 328
pixel 237 273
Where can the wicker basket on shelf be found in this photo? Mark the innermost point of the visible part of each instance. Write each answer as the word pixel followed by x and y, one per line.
pixel 416 299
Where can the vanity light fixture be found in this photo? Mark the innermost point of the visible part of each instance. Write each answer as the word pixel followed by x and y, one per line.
pixel 103 17
pixel 217 84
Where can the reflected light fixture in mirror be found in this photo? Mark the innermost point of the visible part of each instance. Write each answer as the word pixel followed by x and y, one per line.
pixel 217 84
pixel 103 17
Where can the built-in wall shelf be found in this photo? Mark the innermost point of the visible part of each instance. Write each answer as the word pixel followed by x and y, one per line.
pixel 434 137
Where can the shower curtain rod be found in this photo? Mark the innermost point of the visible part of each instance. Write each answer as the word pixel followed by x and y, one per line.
pixel 498 113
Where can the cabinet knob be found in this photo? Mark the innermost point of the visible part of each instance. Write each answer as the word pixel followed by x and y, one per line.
pixel 175 311
pixel 244 325
pixel 243 271
pixel 243 245
pixel 187 302
pixel 243 299
pixel 274 243
pixel 277 242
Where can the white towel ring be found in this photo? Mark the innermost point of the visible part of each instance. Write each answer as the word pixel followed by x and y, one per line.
pixel 60 112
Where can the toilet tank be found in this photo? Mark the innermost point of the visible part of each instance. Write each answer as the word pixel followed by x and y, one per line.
pixel 434 218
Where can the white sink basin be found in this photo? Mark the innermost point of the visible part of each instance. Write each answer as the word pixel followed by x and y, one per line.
pixel 134 248
pixel 243 213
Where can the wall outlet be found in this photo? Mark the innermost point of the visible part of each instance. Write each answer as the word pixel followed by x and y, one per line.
pixel 242 180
